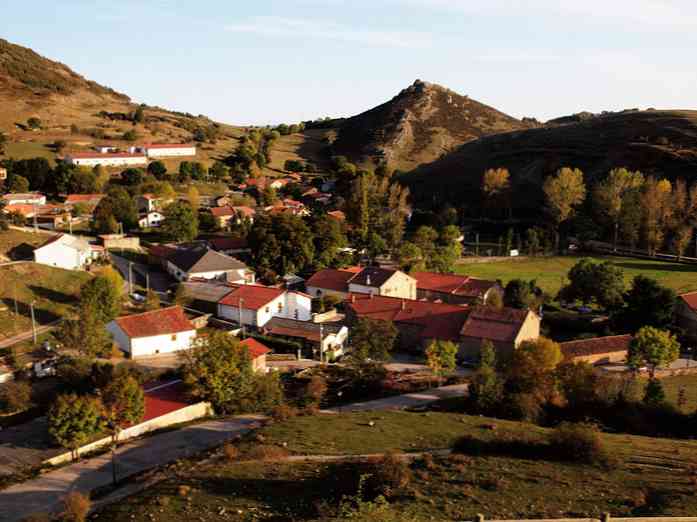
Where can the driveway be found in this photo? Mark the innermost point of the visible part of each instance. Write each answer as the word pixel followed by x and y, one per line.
pixel 409 400
pixel 45 493
pixel 159 281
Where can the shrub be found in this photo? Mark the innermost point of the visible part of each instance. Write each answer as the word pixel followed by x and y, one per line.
pixel 427 461
pixel 503 444
pixel 267 452
pixel 77 506
pixel 315 390
pixel 15 396
pixel 231 451
pixel 392 473
pixel 577 442
pixel 525 407
pixel 284 412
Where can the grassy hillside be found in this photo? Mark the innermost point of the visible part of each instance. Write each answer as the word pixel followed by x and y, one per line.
pixel 549 272
pixel 649 476
pixel 662 143
pixel 417 126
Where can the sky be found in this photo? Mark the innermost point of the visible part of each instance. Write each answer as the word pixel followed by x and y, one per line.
pixel 271 61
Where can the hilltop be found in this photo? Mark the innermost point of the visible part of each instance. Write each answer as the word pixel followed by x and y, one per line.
pixel 419 125
pixel 655 142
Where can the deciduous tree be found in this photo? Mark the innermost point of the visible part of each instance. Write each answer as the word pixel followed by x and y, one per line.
pixel 564 192
pixel 181 222
pixel 372 340
pixel 652 348
pixel 611 195
pixel 74 419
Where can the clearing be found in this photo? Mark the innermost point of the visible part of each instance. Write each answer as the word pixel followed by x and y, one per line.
pixel 650 476
pixel 16 244
pixel 53 291
pixel 550 272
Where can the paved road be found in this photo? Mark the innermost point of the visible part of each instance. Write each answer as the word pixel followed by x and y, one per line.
pixel 45 493
pixel 409 400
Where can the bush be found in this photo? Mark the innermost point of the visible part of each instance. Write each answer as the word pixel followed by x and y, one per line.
pixel 525 407
pixel 392 474
pixel 315 390
pixel 77 506
pixel 283 412
pixel 231 451
pixel 506 445
pixel 15 396
pixel 267 452
pixel 578 442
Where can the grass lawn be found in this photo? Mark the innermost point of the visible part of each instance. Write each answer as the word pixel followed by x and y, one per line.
pixel 15 244
pixel 550 272
pixel 54 291
pixel 28 150
pixel 650 476
pixel 672 387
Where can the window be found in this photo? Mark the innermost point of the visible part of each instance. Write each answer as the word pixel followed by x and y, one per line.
pixel 268 309
pixel 295 314
pixel 280 307
pixel 174 337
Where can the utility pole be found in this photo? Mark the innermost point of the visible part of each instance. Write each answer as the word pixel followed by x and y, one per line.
pixel 147 281
pixel 321 347
pixel 130 277
pixel 33 322
pixel 240 309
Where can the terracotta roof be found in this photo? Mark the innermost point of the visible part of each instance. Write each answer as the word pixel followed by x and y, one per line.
pixel 245 211
pixel 22 195
pixel 156 322
pixel 690 299
pixel 168 146
pixel 331 279
pixel 337 214
pixel 437 320
pixel 81 198
pixel 597 345
pixel 452 284
pixel 255 348
pixel 299 329
pixel 372 276
pixel 253 297
pixel 496 325
pixel 99 155
pixel 162 398
pixel 222 211
pixel 202 259
pixel 228 243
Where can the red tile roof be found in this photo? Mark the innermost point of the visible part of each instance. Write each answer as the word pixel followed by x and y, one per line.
pixel 595 346
pixel 245 211
pixel 81 198
pixel 437 320
pixel 332 279
pixel 253 297
pixel 452 284
pixel 222 211
pixel 156 322
pixel 228 243
pixel 99 155
pixel 495 325
pixel 255 348
pixel 168 145
pixel 162 398
pixel 690 300
pixel 337 214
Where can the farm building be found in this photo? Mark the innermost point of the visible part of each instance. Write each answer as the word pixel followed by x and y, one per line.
pixel 598 350
pixel 108 159
pixel 166 330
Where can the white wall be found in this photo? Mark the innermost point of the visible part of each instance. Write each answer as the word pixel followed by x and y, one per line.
pixel 232 313
pixel 58 255
pixel 301 303
pixel 290 303
pixel 174 151
pixel 107 162
pixel 158 344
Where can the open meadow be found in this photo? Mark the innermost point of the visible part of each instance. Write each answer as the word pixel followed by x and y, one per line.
pixel 550 272
pixel 647 476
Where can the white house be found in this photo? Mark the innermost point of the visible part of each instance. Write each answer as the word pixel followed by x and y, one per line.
pixel 151 333
pixel 30 198
pixel 150 219
pixel 355 280
pixel 255 305
pixel 201 262
pixel 108 159
pixel 333 336
pixel 168 150
pixel 151 202
pixel 65 251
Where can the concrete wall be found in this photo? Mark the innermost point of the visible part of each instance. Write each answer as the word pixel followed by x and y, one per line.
pixel 186 414
pixel 530 330
pixel 320 292
pixel 159 344
pixel 119 241
pixel 171 152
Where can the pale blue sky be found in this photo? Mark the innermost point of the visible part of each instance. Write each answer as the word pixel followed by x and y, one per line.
pixel 269 61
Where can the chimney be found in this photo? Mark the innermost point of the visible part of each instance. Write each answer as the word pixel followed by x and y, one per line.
pixel 371 295
pixel 404 305
pixel 353 298
pixel 367 280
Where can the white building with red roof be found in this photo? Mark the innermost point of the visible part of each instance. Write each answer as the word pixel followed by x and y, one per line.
pixel 257 353
pixel 454 289
pixel 83 199
pixel 27 198
pixel 168 150
pixel 166 330
pixel 368 280
pixel 255 305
